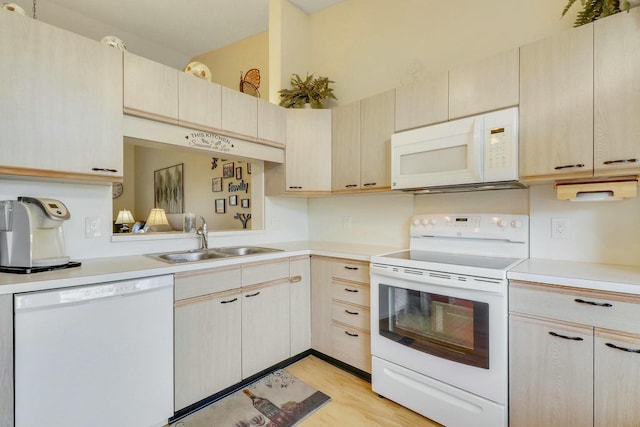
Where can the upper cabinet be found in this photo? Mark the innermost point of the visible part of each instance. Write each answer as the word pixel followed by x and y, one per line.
pixel 239 113
pixel 556 106
pixel 361 143
pixel 308 154
pixel 150 89
pixel 272 122
pixel 617 94
pixel 486 85
pixel 61 102
pixel 199 102
pixel 423 103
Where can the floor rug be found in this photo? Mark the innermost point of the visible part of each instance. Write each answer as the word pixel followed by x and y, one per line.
pixel 275 400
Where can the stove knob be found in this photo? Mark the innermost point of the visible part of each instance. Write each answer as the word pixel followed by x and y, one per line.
pixel 416 221
pixel 500 222
pixel 433 221
pixel 516 223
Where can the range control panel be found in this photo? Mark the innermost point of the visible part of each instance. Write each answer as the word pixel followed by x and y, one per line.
pixel 471 226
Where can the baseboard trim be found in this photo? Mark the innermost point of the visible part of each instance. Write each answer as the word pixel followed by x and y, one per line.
pixel 344 366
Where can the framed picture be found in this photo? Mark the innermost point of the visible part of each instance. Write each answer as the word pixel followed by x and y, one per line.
pixel 168 188
pixel 233 200
pixel 244 203
pixel 216 185
pixel 239 173
pixel 248 168
pixel 227 170
pixel 220 206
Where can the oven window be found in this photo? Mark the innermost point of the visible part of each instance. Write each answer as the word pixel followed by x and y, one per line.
pixel 452 328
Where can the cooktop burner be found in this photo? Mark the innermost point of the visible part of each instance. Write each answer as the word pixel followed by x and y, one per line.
pixel 29 270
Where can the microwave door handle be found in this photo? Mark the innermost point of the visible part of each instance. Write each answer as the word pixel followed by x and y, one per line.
pixel 478 147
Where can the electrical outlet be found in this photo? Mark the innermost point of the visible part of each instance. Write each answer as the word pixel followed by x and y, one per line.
pixel 559 228
pixel 92 227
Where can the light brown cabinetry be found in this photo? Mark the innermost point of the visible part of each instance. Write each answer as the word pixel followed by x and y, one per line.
pixel 272 123
pixel 572 352
pixel 423 103
pixel 616 147
pixel 150 89
pixel 207 334
pixel 199 103
pixel 300 304
pixel 556 106
pixel 361 143
pixel 239 113
pixel 308 154
pixel 61 103
pixel 6 361
pixel 340 310
pixel 486 85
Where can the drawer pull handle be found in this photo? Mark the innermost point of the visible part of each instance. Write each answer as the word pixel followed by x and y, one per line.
pixel 295 279
pixel 350 268
pixel 621 348
pixel 295 187
pixel 610 162
pixel 369 184
pixel 553 334
pixel 599 304
pixel 579 165
pixel 351 185
pixel 252 295
pixel 104 170
pixel 229 301
pixel 355 313
pixel 350 334
pixel 351 290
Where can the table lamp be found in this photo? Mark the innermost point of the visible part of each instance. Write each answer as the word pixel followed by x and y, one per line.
pixel 157 221
pixel 125 218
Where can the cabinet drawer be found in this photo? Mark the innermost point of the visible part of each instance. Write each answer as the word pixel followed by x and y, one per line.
pixel 351 315
pixel 596 308
pixel 264 272
pixel 350 292
pixel 350 270
pixel 203 282
pixel 351 346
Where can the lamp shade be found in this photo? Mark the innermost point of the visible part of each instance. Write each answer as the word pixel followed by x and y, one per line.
pixel 157 220
pixel 125 217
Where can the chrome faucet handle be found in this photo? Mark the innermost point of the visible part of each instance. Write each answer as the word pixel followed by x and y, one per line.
pixel 204 224
pixel 202 231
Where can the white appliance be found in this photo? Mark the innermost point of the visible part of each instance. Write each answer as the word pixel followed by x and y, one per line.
pixel 439 317
pixel 99 355
pixel 478 152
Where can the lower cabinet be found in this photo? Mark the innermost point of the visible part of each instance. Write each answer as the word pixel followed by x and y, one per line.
pixel 340 320
pixel 6 361
pixel 233 322
pixel 574 357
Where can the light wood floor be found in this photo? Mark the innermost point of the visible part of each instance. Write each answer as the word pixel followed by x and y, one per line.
pixel 352 403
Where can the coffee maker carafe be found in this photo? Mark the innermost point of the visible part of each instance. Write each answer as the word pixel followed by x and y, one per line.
pixel 31 232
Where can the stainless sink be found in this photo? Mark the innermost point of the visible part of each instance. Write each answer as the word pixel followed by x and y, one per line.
pixel 209 254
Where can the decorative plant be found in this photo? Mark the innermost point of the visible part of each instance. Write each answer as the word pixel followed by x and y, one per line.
pixel 595 9
pixel 308 91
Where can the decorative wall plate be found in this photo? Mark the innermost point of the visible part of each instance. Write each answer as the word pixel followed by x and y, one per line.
pixel 198 69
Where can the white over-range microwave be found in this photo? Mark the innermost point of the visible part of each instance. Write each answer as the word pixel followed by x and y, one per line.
pixel 473 153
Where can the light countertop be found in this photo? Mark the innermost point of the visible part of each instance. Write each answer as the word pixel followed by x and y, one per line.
pixel 604 277
pixel 98 270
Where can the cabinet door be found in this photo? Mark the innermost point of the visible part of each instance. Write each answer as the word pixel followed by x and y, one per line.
pixel 423 103
pixel 239 113
pixel 61 103
pixel 207 346
pixel 150 89
pixel 550 373
pixel 272 122
pixel 485 85
pixel 265 327
pixel 300 305
pixel 6 360
pixel 617 94
pixel 616 385
pixel 308 154
pixel 556 106
pixel 352 346
pixel 321 304
pixel 345 147
pixel 199 102
pixel 376 127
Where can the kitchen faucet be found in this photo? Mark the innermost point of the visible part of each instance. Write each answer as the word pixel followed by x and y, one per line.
pixel 202 231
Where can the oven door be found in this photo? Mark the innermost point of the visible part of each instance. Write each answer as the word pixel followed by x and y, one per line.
pixel 438 325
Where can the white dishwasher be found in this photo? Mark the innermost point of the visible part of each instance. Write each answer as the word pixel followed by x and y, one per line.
pixel 96 355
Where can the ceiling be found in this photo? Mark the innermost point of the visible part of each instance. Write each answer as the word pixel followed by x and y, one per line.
pixel 188 27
